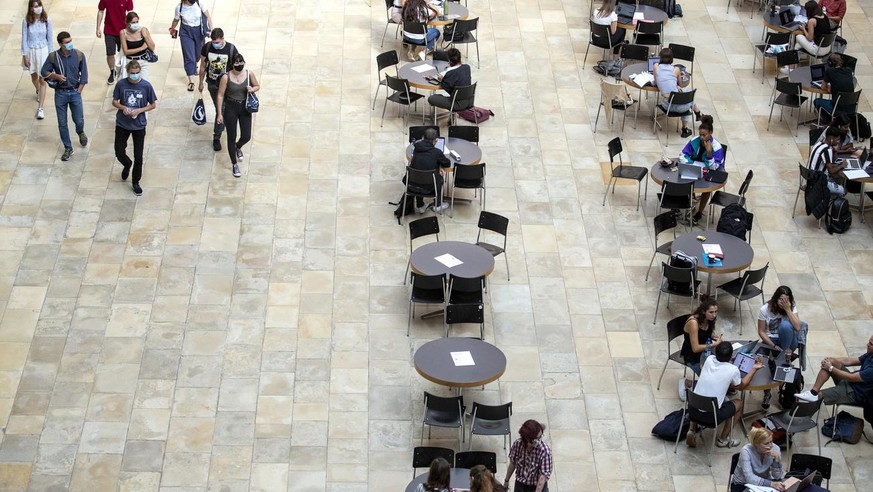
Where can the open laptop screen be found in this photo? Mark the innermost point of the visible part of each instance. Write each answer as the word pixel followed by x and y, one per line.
pixel 816 72
pixel 441 144
pixel 744 362
pixel 653 60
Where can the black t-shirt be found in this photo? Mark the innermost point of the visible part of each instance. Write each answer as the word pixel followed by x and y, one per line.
pixel 217 61
pixel 840 79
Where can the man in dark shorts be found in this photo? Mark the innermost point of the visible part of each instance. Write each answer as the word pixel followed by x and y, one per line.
pixel 214 62
pixel 114 12
pixel 850 388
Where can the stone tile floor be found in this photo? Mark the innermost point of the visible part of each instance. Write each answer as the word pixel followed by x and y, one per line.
pixel 234 334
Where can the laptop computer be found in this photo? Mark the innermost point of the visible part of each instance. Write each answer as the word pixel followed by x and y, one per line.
pixel 785 374
pixel 690 171
pixel 441 144
pixel 816 74
pixel 653 60
pixel 625 12
pixel 744 362
pixel 716 176
pixel 786 19
pixel 857 163
pixel 791 484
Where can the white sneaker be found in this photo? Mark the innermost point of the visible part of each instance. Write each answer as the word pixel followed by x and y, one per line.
pixel 439 208
pixel 423 54
pixel 806 396
pixel 784 70
pixel 423 209
pixel 682 389
pixel 40 114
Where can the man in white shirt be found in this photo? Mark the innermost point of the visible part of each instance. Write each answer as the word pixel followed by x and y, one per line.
pixel 717 376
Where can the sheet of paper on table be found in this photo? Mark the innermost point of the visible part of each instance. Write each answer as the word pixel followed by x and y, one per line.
pixel 639 16
pixel 448 260
pixel 424 68
pixel 464 358
pixel 736 345
pixel 713 249
pixel 855 173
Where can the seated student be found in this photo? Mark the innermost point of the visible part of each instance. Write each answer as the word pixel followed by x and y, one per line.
pixel 605 16
pixel 716 378
pixel 847 140
pixel 821 158
pixel 834 10
pixel 760 462
pixel 851 388
pixel 457 75
pixel 698 337
pixel 426 157
pixel 817 26
pixel 706 149
pixel 418 44
pixel 437 478
pixel 837 79
pixel 667 77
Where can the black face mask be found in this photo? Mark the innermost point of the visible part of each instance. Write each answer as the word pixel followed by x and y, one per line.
pixel 239 67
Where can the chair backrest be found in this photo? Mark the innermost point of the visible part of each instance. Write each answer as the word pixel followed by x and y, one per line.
pixel 440 55
pixel 464 93
pixel 475 172
pixel 664 222
pixel 677 98
pixel 846 99
pixel 397 84
pixel 815 134
pixel 493 222
pixel 806 409
pixel 746 182
pixel 599 31
pixel 676 327
pixel 423 456
pixel 752 277
pixel 826 40
pixel 468 133
pixel 649 27
pixel 417 132
pixel 682 52
pixel 492 412
pixel 787 57
pixel 702 403
pixel 387 59
pixel 821 464
pixel 424 227
pixel 428 282
pixel 634 52
pixel 465 313
pixel 454 404
pixel 466 284
pixel 849 61
pixel 615 148
pixel 777 38
pixel 469 459
pixel 682 275
pixel 425 180
pixel 735 459
pixel 415 27
pixel 467 25
pixel 677 189
pixel 784 86
pixel 388 5
pixel 804 173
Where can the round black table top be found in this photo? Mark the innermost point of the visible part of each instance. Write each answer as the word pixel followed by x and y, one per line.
pixel 470 152
pixel 477 261
pixel 773 23
pixel 416 79
pixel 660 174
pixel 455 11
pixel 460 479
pixel 804 76
pixel 650 14
pixel 434 362
pixel 738 254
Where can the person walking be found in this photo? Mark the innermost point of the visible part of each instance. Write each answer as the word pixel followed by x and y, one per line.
pixel 36 37
pixel 68 68
pixel 135 41
pixel 189 15
pixel 114 12
pixel 233 89
pixel 530 458
pixel 133 96
pixel 215 58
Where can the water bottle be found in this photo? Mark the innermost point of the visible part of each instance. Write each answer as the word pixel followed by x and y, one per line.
pixel 707 351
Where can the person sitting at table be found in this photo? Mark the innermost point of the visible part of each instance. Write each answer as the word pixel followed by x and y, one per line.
pixel 605 16
pixel 717 376
pixel 438 478
pixel 834 10
pixel 851 388
pixel 397 11
pixel 482 480
pixel 426 157
pixel 821 158
pixel 698 337
pixel 457 75
pixel 779 326
pixel 706 149
pixel 817 26
pixel 667 79
pixel 846 144
pixel 837 78
pixel 760 462
pixel 419 11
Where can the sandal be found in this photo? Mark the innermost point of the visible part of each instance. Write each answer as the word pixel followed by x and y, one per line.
pixel 190 86
pixel 729 443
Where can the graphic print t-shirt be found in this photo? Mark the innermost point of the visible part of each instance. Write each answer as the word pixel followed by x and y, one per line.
pixel 133 96
pixel 217 61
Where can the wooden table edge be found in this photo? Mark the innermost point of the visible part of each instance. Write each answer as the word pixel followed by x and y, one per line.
pixel 455 384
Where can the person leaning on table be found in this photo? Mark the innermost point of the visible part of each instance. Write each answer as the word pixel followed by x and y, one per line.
pixel 530 458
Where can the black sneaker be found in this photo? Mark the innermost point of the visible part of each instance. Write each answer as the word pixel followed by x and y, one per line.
pixel 68 152
pixel 239 154
pixel 137 190
pixel 236 172
pixel 765 403
pixel 696 218
pixel 111 78
pixel 216 144
pixel 83 139
pixel 686 132
pixel 125 172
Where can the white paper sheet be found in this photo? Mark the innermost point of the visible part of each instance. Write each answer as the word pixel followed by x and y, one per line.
pixel 712 249
pixel 464 358
pixel 448 260
pixel 639 16
pixel 427 67
pixel 855 173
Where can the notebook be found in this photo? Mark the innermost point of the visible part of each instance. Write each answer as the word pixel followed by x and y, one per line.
pixel 441 144
pixel 690 171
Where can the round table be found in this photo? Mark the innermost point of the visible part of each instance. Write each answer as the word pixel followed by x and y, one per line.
pixel 433 361
pixel 660 174
pixel 455 11
pixel 636 68
pixel 738 254
pixel 417 79
pixel 460 479
pixel 477 261
pixel 650 14
pixel 773 23
pixel 804 76
pixel 470 152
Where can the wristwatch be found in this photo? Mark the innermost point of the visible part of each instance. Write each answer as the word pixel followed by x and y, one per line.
pixel 831 368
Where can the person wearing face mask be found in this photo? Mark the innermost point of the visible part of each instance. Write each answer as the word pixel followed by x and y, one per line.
pixel 760 462
pixel 530 459
pixel 36 37
pixel 68 68
pixel 135 40
pixel 232 91
pixel 133 96
pixel 215 60
pixel 114 12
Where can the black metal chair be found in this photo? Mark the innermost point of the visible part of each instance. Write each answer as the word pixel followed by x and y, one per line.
pixel 417 132
pixel 423 456
pixel 489 221
pixel 684 53
pixel 636 173
pixel 826 41
pixel 426 289
pixel 614 97
pixel 787 58
pixel 402 96
pixel 465 93
pixel 765 49
pixel 662 222
pixel 787 95
pixel 634 52
pixel 465 132
pixel 649 34
pixel 389 4
pixel 803 178
pixel 383 61
pixel 674 100
pixel 677 196
pixel 745 288
pixel 415 27
pixel 469 459
pixel 465 313
pixel 491 420
pixel 420 184
pixel 428 226
pixel 462 33
pixel 808 462
pixel 801 418
pixel 849 61
pixel 723 199
pixel 599 36
pixel 844 102
pixel 697 410
pixel 675 329
pixel 677 281
pixel 470 177
pixel 443 412
pixel 735 459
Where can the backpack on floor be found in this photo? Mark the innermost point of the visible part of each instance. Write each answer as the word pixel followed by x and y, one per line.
pixel 734 221
pixel 839 217
pixel 780 437
pixel 787 391
pixel 848 429
pixel 860 130
pixel 672 425
pixel 400 211
pixel 476 114
pixel 611 68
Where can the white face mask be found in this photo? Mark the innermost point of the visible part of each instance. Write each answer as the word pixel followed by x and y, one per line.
pixel 37 10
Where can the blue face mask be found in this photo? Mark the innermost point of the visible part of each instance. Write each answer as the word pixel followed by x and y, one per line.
pixel 69 46
pixel 134 77
pixel 216 46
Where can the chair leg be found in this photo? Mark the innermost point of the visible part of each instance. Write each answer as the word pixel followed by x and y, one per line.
pixel 586 55
pixel 650 265
pixel 611 179
pixel 657 305
pixel 679 434
pixel 506 259
pixel 597 118
pixel 796 197
pixel 411 315
pixel 663 371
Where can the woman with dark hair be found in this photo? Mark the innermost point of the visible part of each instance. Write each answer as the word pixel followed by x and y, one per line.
pixel 36 38
pixel 778 322
pixel 699 337
pixel 438 478
pixel 419 11
pixel 817 26
pixel 667 80
pixel 840 121
pixel 457 75
pixel 233 88
pixel 530 459
pixel 135 40
pixel 704 149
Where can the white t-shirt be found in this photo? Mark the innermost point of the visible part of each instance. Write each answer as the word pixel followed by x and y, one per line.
pixel 766 316
pixel 190 14
pixel 716 378
pixel 604 21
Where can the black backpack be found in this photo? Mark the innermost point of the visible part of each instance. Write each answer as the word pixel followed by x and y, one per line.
pixel 839 217
pixel 787 391
pixel 680 260
pixel 861 130
pixel 734 220
pixel 400 211
pixel 672 425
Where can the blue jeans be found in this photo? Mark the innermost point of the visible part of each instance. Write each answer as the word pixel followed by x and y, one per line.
pixel 432 35
pixel 695 368
pixel 191 41
pixel 787 336
pixel 71 98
